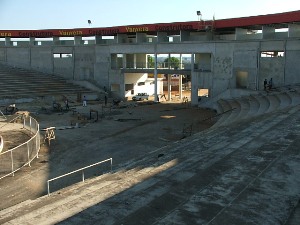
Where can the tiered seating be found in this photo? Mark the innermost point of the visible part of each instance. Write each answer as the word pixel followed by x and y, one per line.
pixel 224 175
pixel 20 83
pixel 234 110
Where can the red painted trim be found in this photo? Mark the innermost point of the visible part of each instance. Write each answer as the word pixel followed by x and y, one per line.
pixel 288 17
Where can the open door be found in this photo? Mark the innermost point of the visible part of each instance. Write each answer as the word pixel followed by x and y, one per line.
pixel 242 79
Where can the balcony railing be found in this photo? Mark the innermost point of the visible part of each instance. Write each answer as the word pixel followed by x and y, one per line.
pixel 163 65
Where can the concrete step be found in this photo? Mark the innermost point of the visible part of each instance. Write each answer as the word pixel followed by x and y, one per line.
pixel 295 96
pixel 244 110
pixel 254 105
pixel 147 184
pixel 18 83
pixel 274 103
pixel 284 99
pixel 264 104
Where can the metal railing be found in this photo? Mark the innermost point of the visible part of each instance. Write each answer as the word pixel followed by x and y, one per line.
pixel 16 158
pixel 150 65
pixel 78 170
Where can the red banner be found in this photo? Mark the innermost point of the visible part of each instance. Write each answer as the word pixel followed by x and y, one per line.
pixel 170 28
pixel 107 31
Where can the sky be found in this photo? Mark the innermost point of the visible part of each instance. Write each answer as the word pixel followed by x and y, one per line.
pixel 68 14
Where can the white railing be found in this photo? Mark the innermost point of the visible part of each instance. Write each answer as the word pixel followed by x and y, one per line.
pixel 16 158
pixel 79 170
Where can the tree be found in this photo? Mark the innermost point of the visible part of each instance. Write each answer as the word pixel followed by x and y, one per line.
pixel 172 62
pixel 150 60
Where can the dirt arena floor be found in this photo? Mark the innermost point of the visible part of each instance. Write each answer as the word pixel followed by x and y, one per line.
pixel 86 135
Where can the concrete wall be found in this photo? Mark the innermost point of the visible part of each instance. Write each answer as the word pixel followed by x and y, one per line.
pixel 63 66
pixel 222 68
pixel 292 65
pixel 272 68
pixel 102 66
pixel 2 54
pixel 84 61
pixel 18 56
pixel 41 59
pixel 245 61
pixel 232 64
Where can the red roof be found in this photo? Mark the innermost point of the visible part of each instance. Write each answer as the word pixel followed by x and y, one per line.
pixel 171 28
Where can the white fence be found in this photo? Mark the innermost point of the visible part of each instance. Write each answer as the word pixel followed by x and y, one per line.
pixel 77 171
pixel 22 155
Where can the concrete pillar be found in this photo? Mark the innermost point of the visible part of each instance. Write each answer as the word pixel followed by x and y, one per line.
pixel 155 74
pixel 122 38
pixel 77 40
pixel 141 60
pixel 268 32
pixel 180 77
pixel 31 41
pixel 124 61
pixel 180 87
pixel 162 37
pixel 240 33
pixel 176 39
pixel 209 35
pixel 194 81
pixel 7 41
pixel 294 30
pixel 169 87
pixel 180 62
pixel 184 35
pixel 134 61
pixel 130 61
pixel 56 41
pixel 122 84
pixel 141 38
pixel 99 40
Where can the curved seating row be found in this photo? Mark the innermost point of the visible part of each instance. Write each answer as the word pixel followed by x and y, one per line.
pixel 218 171
pixel 233 110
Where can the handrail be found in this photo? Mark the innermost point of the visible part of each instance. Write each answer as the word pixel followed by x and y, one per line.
pixel 78 170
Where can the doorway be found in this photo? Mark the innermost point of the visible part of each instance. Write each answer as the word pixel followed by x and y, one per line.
pixel 242 79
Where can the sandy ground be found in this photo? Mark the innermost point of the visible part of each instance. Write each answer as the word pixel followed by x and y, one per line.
pixel 123 132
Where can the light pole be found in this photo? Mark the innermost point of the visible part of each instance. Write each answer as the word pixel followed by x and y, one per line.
pixel 199 18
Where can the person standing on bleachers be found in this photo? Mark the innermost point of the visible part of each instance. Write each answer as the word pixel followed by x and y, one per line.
pixel 84 101
pixel 265 84
pixel 67 104
pixel 270 83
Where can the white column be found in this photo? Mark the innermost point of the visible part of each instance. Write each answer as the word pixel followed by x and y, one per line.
pixel 155 73
pixel 180 78
pixel 194 81
pixel 180 86
pixel 169 87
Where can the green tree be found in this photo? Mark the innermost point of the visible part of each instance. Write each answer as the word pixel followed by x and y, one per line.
pixel 150 60
pixel 172 62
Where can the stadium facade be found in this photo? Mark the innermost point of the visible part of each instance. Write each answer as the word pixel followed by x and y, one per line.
pixel 225 57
